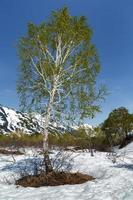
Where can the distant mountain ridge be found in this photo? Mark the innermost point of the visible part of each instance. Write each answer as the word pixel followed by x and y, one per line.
pixel 12 120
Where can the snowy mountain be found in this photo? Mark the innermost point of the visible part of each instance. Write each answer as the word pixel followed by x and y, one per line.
pixel 15 121
pixel 83 126
pixel 12 120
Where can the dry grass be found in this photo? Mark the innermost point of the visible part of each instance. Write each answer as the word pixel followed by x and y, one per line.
pixel 53 179
pixel 10 152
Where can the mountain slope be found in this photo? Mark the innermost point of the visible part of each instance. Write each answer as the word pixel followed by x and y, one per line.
pixel 12 120
pixel 15 121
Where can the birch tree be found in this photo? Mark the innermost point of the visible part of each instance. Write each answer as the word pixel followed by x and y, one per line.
pixel 58 70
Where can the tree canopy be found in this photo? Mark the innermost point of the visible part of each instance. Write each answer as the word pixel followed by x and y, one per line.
pixel 119 122
pixel 59 66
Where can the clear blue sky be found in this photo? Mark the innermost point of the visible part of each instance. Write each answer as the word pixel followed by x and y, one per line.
pixel 112 22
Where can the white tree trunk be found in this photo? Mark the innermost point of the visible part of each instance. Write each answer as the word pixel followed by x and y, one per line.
pixel 47 162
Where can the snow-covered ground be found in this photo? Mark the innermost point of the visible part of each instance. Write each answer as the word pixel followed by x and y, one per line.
pixel 113 181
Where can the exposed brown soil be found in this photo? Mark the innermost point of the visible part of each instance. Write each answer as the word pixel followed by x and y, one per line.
pixel 10 152
pixel 53 179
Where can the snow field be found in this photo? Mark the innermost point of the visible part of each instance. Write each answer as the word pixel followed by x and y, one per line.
pixel 112 181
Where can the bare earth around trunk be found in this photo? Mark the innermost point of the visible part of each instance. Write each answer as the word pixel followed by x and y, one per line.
pixel 53 179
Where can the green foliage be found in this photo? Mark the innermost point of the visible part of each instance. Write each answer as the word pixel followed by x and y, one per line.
pixel 76 67
pixel 21 140
pixel 77 140
pixel 118 124
pixel 101 142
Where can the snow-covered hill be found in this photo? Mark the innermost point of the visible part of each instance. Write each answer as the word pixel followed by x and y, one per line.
pixel 12 120
pixel 84 126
